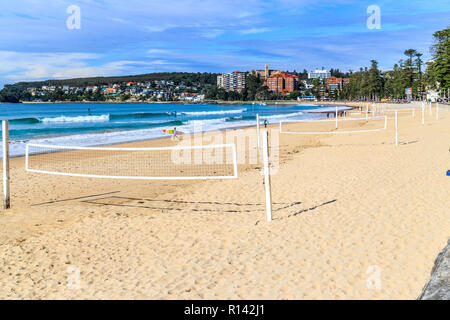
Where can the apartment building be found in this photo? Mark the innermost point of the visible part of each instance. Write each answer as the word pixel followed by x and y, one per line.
pixel 319 74
pixel 334 83
pixel 282 82
pixel 234 81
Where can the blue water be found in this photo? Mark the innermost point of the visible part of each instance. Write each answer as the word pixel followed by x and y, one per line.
pixel 83 124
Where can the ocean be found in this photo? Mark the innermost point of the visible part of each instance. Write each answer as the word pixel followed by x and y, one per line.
pixel 94 124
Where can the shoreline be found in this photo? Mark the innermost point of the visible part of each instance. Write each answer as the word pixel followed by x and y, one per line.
pixel 224 102
pixel 243 126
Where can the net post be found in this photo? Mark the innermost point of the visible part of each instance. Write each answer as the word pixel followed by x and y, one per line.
pixel 437 111
pixel 258 133
pixel 265 138
pixel 336 118
pixel 235 167
pixel 396 128
pixel 6 176
pixel 423 114
pixel 367 112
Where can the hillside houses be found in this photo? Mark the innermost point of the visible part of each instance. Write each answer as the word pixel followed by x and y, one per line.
pixel 126 91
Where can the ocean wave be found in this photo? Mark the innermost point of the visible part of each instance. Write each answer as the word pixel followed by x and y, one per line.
pixel 137 115
pixel 203 113
pixel 101 118
pixel 241 118
pixel 326 109
pixel 286 115
pixel 25 120
pixel 30 133
pixel 206 121
pixel 90 118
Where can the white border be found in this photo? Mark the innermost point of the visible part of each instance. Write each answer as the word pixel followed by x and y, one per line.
pixel 233 147
pixel 336 132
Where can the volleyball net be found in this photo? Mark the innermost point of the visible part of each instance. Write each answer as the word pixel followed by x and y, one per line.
pixel 160 163
pixel 334 126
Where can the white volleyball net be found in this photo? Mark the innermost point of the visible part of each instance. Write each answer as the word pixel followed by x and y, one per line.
pixel 334 126
pixel 165 163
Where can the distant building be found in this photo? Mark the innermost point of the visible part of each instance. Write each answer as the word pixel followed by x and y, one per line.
pixel 307 98
pixel 234 81
pixel 319 74
pixel 264 74
pixel 307 84
pixel 282 82
pixel 334 83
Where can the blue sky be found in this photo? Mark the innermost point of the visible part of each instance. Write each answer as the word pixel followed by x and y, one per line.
pixel 121 37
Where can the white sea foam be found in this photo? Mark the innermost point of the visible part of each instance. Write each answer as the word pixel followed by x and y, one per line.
pixel 204 113
pixel 287 115
pixel 101 118
pixel 330 109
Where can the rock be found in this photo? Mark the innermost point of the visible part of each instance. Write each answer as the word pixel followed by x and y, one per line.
pixel 438 287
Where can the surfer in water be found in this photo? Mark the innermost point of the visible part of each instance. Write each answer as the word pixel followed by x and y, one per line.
pixel 89 110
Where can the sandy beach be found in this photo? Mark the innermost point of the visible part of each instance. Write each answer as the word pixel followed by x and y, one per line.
pixel 354 217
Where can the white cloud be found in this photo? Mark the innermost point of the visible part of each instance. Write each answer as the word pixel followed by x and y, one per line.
pixel 118 20
pixel 160 28
pixel 19 66
pixel 254 30
pixel 160 62
pixel 212 33
pixel 157 51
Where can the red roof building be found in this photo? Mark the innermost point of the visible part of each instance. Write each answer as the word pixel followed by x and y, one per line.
pixel 282 82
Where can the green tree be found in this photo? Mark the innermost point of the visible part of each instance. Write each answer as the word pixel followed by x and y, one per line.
pixel 374 81
pixel 409 69
pixel 441 55
pixel 419 64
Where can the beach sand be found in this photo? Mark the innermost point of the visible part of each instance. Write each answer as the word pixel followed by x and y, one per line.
pixel 354 217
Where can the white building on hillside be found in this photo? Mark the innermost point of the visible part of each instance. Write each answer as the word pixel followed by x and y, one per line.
pixel 319 74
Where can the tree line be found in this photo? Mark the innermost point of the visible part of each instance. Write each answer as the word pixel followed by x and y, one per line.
pixel 410 72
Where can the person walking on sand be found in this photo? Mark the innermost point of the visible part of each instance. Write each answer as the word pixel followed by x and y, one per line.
pixel 174 136
pixel 266 123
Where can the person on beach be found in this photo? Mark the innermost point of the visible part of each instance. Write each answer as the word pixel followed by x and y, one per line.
pixel 265 123
pixel 174 136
